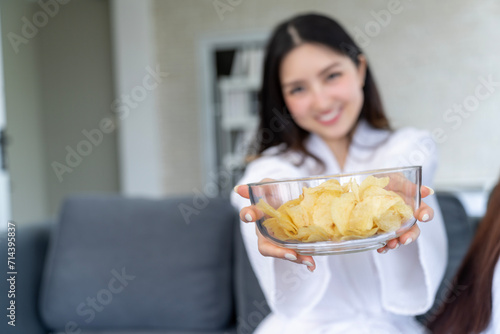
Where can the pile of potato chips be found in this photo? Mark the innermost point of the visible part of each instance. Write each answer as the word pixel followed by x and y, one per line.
pixel 337 212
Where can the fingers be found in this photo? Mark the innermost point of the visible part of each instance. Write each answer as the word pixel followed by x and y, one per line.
pixel 243 191
pixel 266 248
pixel 426 191
pixel 391 244
pixel 250 214
pixel 407 238
pixel 410 236
pixel 424 213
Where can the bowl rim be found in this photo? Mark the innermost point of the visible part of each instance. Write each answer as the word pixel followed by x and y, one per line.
pixel 320 177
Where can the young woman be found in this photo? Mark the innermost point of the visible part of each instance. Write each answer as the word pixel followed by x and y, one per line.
pixel 474 298
pixel 320 113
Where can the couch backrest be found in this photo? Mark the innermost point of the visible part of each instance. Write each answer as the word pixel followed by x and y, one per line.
pixel 117 263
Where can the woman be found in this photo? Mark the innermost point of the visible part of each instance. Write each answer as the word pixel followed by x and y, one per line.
pixel 474 298
pixel 321 114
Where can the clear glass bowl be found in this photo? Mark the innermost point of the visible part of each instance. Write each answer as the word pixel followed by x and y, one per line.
pixel 349 230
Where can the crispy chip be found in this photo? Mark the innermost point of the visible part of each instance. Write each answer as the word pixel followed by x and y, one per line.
pixel 275 228
pixel 374 191
pixel 284 220
pixel 322 215
pixel 341 208
pixel 333 186
pixel 372 181
pixel 368 210
pixel 299 215
pixel 389 221
pixel 312 234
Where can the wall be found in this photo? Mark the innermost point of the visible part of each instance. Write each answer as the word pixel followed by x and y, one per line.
pixel 26 151
pixel 77 91
pixel 58 85
pixel 427 58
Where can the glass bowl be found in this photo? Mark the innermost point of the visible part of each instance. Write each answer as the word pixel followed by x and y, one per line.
pixel 338 214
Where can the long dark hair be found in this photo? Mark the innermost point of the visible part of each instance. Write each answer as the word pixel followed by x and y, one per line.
pixel 276 125
pixel 469 311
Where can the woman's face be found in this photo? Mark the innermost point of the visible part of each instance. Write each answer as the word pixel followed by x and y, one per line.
pixel 323 90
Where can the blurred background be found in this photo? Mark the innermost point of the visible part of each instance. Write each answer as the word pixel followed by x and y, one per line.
pixel 158 97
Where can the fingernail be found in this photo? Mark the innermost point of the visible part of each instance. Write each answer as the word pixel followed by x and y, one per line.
pixel 425 217
pixel 310 269
pixel 397 246
pixel 307 263
pixel 290 257
pixel 235 189
pixel 408 241
pixel 248 217
pixel 384 251
pixel 431 190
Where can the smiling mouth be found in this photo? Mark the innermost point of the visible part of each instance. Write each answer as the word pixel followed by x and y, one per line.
pixel 330 117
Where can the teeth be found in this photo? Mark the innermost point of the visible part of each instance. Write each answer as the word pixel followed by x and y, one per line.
pixel 329 116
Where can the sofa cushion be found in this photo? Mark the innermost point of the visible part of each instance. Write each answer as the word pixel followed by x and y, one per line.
pixel 119 263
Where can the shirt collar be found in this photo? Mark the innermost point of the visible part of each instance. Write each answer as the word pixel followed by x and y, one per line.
pixel 364 142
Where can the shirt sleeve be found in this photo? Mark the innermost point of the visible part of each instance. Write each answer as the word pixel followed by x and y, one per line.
pixel 285 284
pixel 410 276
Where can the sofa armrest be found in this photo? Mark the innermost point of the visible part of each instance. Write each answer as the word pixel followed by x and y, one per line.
pixel 30 247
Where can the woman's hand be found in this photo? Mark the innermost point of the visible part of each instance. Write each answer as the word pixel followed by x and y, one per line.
pixel 423 214
pixel 251 214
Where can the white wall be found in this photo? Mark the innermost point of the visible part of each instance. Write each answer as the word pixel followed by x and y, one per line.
pixel 426 59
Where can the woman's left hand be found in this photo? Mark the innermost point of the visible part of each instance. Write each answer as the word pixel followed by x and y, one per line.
pixel 424 214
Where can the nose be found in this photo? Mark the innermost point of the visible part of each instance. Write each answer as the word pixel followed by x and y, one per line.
pixel 321 100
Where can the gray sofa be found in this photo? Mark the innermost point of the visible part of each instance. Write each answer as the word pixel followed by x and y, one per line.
pixel 128 265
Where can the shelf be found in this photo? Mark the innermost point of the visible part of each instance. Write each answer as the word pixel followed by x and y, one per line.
pixel 248 123
pixel 239 84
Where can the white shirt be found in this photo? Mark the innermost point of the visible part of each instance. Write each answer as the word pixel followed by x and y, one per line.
pixel 357 293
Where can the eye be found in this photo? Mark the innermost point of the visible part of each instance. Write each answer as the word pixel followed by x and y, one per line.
pixel 333 75
pixel 296 90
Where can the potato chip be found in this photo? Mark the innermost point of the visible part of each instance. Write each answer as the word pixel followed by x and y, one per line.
pixel 372 181
pixel 299 215
pixel 309 197
pixel 389 221
pixel 284 220
pixel 267 209
pixel 332 186
pixel 289 204
pixel 341 208
pixel 275 229
pixel 322 215
pixel 404 210
pixel 361 219
pixel 374 191
pixel 359 235
pixel 346 187
pixel 312 234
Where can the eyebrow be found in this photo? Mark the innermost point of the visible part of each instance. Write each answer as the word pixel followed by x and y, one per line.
pixel 323 71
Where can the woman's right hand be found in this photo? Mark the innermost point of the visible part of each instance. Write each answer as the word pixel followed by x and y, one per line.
pixel 251 214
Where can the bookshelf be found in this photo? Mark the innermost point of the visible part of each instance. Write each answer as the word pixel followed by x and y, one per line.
pixel 232 67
